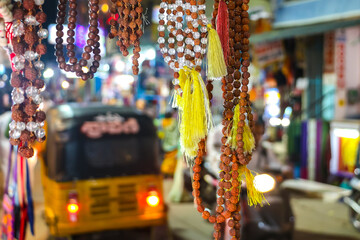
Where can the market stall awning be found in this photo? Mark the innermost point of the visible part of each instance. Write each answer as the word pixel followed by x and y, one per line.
pixel 302 12
pixel 291 32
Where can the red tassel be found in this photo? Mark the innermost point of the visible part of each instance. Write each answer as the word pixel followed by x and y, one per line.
pixel 222 27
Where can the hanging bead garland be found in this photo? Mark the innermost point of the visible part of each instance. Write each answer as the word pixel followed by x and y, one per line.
pixel 190 43
pixel 232 21
pixel 130 24
pixel 28 119
pixel 92 46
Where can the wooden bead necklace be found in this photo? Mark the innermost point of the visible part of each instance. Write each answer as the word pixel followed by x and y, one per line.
pixel 232 159
pixel 28 119
pixel 92 44
pixel 130 24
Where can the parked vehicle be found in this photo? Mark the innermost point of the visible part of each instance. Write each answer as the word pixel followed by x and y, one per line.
pixel 353 201
pixel 100 171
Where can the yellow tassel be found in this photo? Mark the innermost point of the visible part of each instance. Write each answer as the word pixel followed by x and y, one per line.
pixel 215 58
pixel 232 136
pixel 195 114
pixel 254 196
pixel 249 140
pixel 176 100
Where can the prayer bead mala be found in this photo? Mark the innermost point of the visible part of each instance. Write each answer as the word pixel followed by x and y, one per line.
pixel 231 160
pixel 191 44
pixel 92 44
pixel 28 119
pixel 130 24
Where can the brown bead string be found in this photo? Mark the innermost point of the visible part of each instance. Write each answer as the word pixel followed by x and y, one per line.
pixel 92 44
pixel 129 30
pixel 215 13
pixel 28 119
pixel 230 160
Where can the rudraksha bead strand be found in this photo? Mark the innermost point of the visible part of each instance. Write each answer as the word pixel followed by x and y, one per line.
pixel 92 44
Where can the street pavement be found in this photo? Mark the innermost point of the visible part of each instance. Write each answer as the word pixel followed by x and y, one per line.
pixel 315 220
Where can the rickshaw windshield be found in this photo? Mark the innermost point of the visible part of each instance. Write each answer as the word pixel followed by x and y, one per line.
pixel 98 149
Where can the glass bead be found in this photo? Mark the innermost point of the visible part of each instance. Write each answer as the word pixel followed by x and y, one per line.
pixel 188 18
pixel 37 99
pixel 18 29
pixel 19 58
pixel 192 54
pixel 161 28
pixel 188 40
pixel 197 48
pixel 198 62
pixel 12 125
pixel 205 21
pixel 178 2
pixel 174 32
pixel 30 20
pixel 29 55
pixel 171 6
pixel 187 30
pixel 172 51
pixel 18 98
pixel 163 5
pixel 42 124
pixel 195 24
pixel 15 134
pixel 172 65
pixel 203 16
pixel 202 7
pixel 19 65
pixel 196 35
pixel 204 40
pixel 167 59
pixel 163 50
pixel 175 81
pixel 187 5
pixel 43 33
pixel 32 91
pixel 203 29
pixel 180 49
pixel 179 37
pixel 169 28
pixel 40 133
pixel 203 51
pixel 188 51
pixel 39 2
pixel 178 25
pixel 179 14
pixel 193 8
pixel 161 16
pixel 161 40
pixel 171 40
pixel 32 126
pixel 39 65
pixel 20 126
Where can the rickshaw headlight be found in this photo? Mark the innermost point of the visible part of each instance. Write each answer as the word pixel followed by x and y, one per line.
pixel 153 199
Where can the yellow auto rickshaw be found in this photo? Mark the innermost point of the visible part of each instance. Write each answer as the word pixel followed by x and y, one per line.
pixel 100 170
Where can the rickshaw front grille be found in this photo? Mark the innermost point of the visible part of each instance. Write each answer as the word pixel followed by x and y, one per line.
pixel 127 199
pixel 122 199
